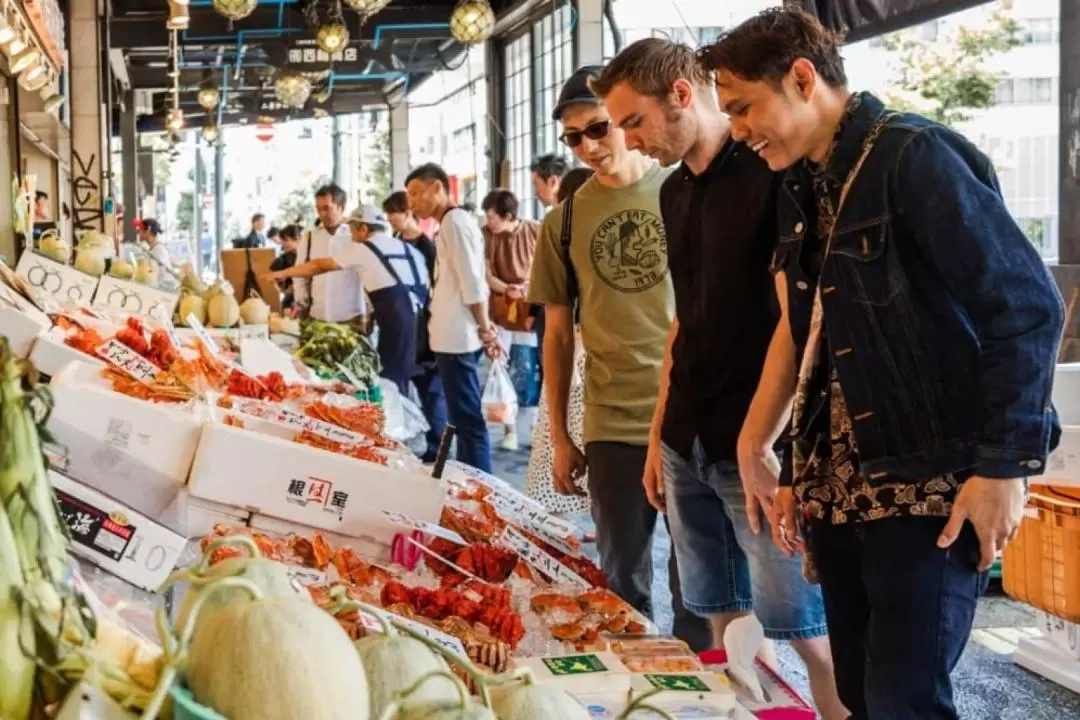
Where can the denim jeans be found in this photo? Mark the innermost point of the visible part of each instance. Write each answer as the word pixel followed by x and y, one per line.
pixel 461 382
pixel 433 402
pixel 625 525
pixel 899 611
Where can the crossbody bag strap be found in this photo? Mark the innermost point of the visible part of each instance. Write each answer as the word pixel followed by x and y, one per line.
pixel 565 238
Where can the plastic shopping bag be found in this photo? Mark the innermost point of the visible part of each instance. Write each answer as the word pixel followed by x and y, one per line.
pixel 500 401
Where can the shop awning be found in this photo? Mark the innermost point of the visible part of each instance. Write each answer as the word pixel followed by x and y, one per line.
pixel 862 19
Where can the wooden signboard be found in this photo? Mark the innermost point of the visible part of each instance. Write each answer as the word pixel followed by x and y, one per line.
pixel 234 267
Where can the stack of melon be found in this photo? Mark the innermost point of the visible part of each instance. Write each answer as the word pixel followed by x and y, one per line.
pixel 251 645
pixel 215 306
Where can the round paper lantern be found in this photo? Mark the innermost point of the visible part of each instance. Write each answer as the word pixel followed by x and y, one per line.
pixel 292 90
pixel 235 9
pixel 472 22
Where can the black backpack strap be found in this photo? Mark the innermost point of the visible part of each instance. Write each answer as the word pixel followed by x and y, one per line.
pixel 565 239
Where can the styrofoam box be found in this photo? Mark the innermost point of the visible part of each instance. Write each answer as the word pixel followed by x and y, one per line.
pixel 136 451
pixel 284 479
pixel 1064 634
pixel 114 536
pixel 195 518
pixel 1063 465
pixel 50 355
pixel 20 322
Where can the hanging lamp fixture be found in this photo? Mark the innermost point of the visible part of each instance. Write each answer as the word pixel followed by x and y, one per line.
pixel 367 8
pixel 326 20
pixel 292 90
pixel 208 98
pixel 472 22
pixel 235 9
pixel 210 133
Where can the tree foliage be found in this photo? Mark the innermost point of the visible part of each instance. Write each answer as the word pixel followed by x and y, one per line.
pixel 185 211
pixel 378 178
pixel 949 79
pixel 300 203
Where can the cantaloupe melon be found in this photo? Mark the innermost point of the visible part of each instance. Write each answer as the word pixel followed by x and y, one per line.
pixel 410 707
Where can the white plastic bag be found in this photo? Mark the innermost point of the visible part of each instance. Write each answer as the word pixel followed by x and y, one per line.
pixel 500 399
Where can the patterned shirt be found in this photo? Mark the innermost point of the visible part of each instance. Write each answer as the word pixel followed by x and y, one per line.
pixel 833 487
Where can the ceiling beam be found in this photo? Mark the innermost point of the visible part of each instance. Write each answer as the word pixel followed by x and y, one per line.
pixel 209 28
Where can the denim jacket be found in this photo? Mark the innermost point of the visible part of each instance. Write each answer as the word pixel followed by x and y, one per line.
pixel 942 320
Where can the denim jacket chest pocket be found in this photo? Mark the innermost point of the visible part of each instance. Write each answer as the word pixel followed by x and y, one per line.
pixel 861 262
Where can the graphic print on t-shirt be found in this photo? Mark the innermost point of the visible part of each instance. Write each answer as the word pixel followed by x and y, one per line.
pixel 629 251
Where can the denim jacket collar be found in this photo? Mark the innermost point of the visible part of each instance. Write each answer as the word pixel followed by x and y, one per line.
pixel 849 145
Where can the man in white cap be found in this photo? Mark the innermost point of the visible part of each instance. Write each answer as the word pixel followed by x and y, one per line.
pixel 395 275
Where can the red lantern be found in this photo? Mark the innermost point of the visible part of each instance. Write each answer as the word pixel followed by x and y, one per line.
pixel 264 131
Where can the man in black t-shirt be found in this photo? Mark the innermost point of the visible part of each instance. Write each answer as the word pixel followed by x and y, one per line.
pixel 719 211
pixel 289 239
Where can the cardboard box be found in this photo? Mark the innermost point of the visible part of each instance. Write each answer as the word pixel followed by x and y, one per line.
pixel 136 451
pixel 115 295
pixel 280 478
pixel 114 536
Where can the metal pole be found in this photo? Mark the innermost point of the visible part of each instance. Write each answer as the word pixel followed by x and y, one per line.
pixel 219 198
pixel 335 139
pixel 196 204
pixel 1069 137
pixel 129 164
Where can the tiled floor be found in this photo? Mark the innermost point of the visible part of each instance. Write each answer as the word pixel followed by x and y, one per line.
pixel 988 685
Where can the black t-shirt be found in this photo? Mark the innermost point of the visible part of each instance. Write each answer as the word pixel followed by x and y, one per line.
pixel 284 261
pixel 721 231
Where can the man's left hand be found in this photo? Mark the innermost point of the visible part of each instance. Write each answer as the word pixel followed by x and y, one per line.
pixel 994 507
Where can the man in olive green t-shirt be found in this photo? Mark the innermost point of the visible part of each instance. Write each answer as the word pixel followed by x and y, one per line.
pixel 618 277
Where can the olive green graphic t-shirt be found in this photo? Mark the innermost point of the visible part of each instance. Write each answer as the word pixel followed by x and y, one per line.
pixel 620 256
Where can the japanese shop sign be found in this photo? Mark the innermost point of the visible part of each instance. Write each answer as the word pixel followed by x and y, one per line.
pixel 315 492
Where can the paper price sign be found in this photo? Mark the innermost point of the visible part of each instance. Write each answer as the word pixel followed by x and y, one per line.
pixel 540 560
pixel 547 523
pixel 200 331
pixel 425 527
pixel 330 431
pixel 128 360
pixel 438 637
pixel 306 576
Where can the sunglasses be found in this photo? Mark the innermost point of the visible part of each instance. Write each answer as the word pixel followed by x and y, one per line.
pixel 596 131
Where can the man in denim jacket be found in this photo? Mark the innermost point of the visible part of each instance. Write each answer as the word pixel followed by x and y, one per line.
pixel 918 339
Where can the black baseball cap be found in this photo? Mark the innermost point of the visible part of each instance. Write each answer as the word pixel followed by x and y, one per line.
pixel 575 91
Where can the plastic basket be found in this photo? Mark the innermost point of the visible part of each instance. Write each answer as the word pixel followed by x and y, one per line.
pixel 1041 567
pixel 185 707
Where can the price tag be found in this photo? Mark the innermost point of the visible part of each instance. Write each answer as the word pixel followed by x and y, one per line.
pixel 306 576
pixel 425 527
pixel 254 332
pixel 449 642
pixel 200 331
pixel 128 360
pixel 298 421
pixel 539 559
pixel 547 523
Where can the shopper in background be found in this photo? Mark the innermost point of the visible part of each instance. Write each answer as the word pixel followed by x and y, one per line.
pixel 459 328
pixel 509 247
pixel 396 279
pixel 427 381
pixel 603 250
pixel 336 297
pixel 257 237
pixel 547 172
pixel 289 239
pixel 918 344
pixel 719 210
pixel 540 476
pixel 150 234
pixel 273 236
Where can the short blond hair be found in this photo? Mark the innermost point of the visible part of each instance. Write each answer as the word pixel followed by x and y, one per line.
pixel 650 67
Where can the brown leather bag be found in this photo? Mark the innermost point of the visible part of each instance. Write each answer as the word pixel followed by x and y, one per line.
pixel 511 314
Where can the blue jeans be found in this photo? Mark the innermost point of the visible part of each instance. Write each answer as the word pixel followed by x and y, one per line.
pixel 900 611
pixel 725 567
pixel 461 382
pixel 433 402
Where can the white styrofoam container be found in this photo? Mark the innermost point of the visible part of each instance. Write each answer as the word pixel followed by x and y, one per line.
pixel 116 537
pixel 283 479
pixel 23 325
pixel 367 546
pixel 195 518
pixel 50 355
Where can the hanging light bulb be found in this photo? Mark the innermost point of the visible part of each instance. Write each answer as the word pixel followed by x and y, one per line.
pixel 179 17
pixel 367 8
pixel 38 81
pixel 332 37
pixel 210 133
pixel 208 98
pixel 22 60
pixel 472 22
pixel 292 90
pixel 16 46
pixel 235 9
pixel 174 121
